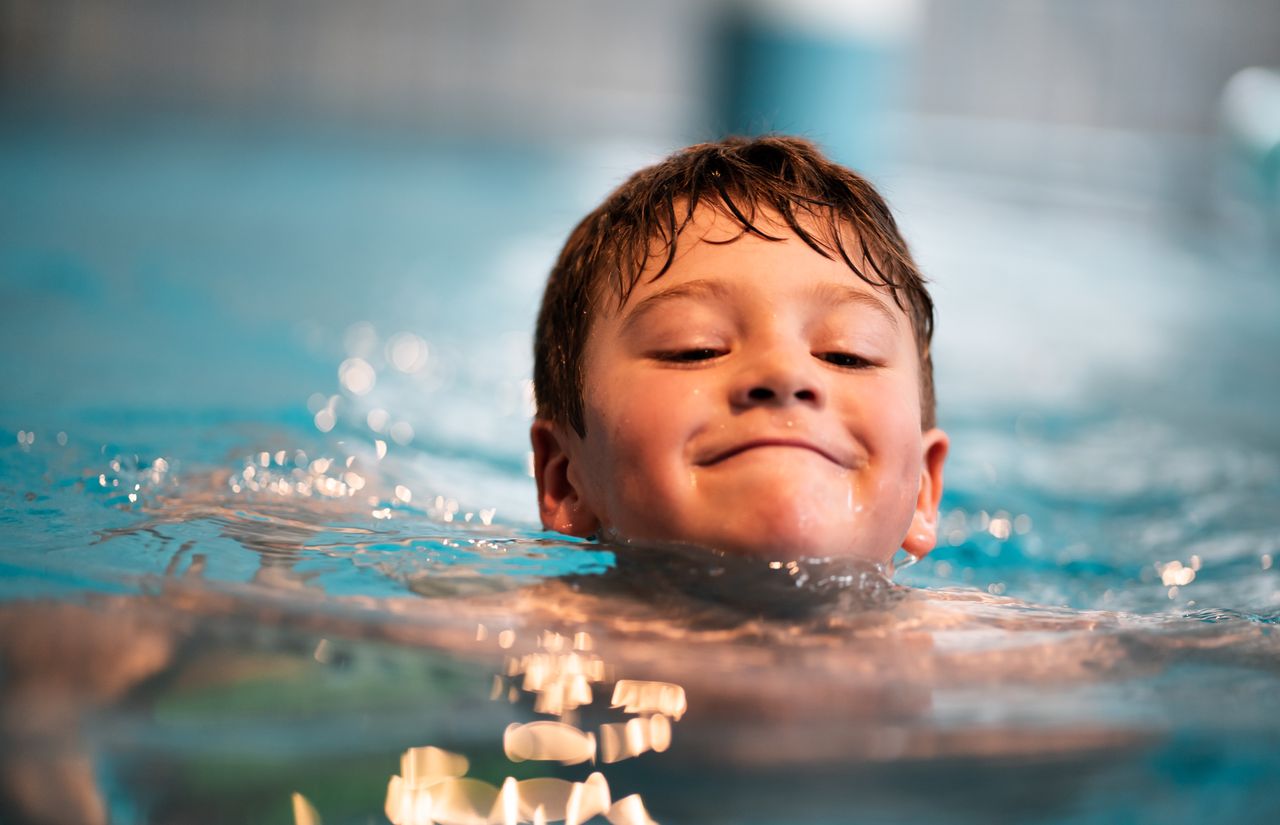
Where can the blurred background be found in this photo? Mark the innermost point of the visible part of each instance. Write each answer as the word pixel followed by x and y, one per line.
pixel 1008 86
pixel 206 208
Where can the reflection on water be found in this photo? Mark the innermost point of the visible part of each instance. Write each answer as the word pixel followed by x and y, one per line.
pixel 432 786
pixel 548 741
pixel 561 680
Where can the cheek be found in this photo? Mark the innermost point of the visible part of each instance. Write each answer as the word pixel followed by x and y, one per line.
pixel 888 424
pixel 886 409
pixel 636 479
pixel 637 428
pixel 634 407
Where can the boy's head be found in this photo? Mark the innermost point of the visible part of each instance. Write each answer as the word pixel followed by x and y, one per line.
pixel 733 351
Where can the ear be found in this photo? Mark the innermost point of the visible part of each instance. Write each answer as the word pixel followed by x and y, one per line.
pixel 560 504
pixel 923 533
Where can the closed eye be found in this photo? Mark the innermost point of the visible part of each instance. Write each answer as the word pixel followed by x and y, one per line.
pixel 847 360
pixel 689 356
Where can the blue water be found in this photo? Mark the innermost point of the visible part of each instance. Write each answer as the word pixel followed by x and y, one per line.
pixel 1093 642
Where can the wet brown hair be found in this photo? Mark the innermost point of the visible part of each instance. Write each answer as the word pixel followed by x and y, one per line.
pixel 641 221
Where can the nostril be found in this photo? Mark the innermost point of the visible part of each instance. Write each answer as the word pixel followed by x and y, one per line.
pixel 806 395
pixel 760 394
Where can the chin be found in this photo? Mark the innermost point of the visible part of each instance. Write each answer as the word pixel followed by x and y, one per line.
pixel 806 522
pixel 768 539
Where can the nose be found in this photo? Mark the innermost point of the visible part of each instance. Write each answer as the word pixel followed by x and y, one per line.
pixel 778 379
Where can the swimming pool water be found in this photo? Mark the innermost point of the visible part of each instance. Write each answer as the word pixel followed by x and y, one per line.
pixel 228 576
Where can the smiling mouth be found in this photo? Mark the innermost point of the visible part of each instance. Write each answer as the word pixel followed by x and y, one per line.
pixel 739 449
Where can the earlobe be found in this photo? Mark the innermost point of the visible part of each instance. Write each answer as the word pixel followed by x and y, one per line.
pixel 923 533
pixel 560 504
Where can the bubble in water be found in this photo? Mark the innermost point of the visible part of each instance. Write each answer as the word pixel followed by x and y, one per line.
pixel 402 432
pixel 325 420
pixel 407 352
pixel 1175 574
pixel 357 376
pixel 141 478
pixel 377 419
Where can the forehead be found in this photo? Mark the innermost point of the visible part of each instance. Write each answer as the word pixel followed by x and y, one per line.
pixel 714 249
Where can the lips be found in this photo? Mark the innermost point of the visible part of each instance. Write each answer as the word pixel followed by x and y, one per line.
pixel 719 455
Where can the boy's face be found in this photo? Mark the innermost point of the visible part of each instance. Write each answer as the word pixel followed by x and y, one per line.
pixel 757 398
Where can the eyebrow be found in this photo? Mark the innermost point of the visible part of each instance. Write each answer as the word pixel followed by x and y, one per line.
pixel 829 294
pixel 689 289
pixel 837 294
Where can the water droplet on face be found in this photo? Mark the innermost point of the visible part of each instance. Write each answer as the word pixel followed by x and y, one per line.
pixel 903 559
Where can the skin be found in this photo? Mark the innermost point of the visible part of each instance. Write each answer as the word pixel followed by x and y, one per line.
pixel 758 398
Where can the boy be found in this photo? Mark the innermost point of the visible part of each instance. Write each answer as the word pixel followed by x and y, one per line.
pixel 733 352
